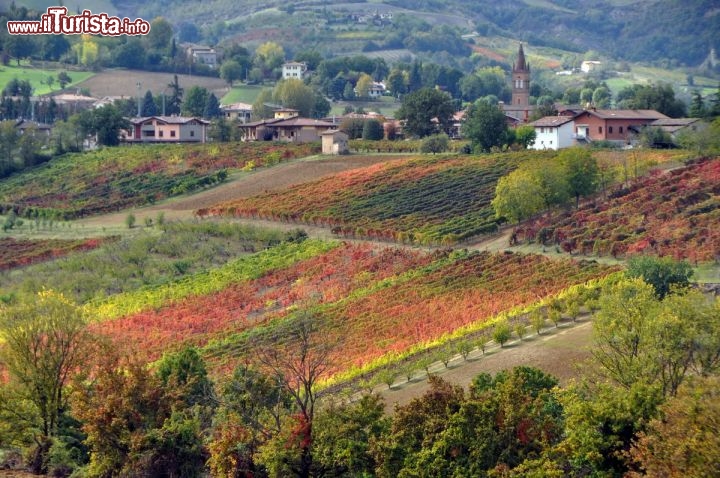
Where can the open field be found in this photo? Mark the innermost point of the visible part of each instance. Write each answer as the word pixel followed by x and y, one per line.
pixel 242 94
pixel 121 82
pixel 37 75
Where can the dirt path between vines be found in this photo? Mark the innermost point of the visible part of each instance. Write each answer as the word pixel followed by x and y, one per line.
pixel 557 351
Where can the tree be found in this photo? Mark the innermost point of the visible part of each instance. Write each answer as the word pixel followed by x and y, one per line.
pixel 396 82
pixel 293 93
pixel 372 130
pixel 581 171
pixel 195 101
pixel 231 71
pixel 64 79
pixel 362 87
pixel 148 106
pixel 345 435
pixel 683 440
pixel 436 143
pixel 502 333
pixel 525 136
pixel 212 107
pixel 269 56
pixel 160 35
pixel 421 108
pixel 174 102
pixel 260 108
pixel 297 365
pixel 697 106
pixel 663 273
pixel 106 123
pixel 45 341
pixel 485 126
pixel 517 196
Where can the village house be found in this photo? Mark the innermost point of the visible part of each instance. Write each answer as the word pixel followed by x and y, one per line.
pixel 554 132
pixel 241 112
pixel 613 125
pixel 287 126
pixel 376 90
pixel 294 69
pixel 204 55
pixel 166 129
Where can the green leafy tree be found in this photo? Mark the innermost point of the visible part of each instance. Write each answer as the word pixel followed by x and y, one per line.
pixel 212 107
pixel 525 136
pixel 45 341
pixel 268 57
pixel 436 143
pixel 195 101
pixel 581 171
pixel 485 126
pixel 148 106
pixel 64 79
pixel 345 435
pixel 260 108
pixel 502 333
pixel 231 71
pixel 372 130
pixel 422 108
pixel 397 82
pixel 517 196
pixel 293 93
pixel 662 273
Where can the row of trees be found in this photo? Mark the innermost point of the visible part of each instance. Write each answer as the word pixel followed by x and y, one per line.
pixel 77 401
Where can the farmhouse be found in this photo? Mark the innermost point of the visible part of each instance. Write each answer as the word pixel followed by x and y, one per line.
pixel 613 125
pixel 292 130
pixel 237 112
pixel 554 132
pixel 294 69
pixel 166 129
pixel 203 55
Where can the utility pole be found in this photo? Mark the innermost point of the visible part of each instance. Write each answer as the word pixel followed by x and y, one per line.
pixel 139 101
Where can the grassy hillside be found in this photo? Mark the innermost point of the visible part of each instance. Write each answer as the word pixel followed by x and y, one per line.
pixel 38 76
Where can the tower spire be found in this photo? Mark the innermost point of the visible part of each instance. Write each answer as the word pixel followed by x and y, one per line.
pixel 521 65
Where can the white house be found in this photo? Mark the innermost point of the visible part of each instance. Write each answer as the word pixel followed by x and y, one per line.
pixel 376 90
pixel 554 132
pixel 294 69
pixel 589 65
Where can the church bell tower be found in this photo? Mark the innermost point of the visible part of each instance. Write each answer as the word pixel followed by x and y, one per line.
pixel 520 81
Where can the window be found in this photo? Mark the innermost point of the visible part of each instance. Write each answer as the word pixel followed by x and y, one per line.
pixel 172 133
pixel 192 133
pixel 609 129
pixel 161 133
pixel 600 129
pixel 621 129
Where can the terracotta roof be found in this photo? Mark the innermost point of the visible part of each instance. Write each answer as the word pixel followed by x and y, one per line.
pixel 674 121
pixel 552 121
pixel 627 114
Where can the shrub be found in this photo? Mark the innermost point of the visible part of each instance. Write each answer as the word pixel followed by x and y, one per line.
pixel 502 333
pixel 130 221
pixel 436 143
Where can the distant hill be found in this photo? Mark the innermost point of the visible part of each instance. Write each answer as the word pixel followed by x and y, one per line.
pixel 645 30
